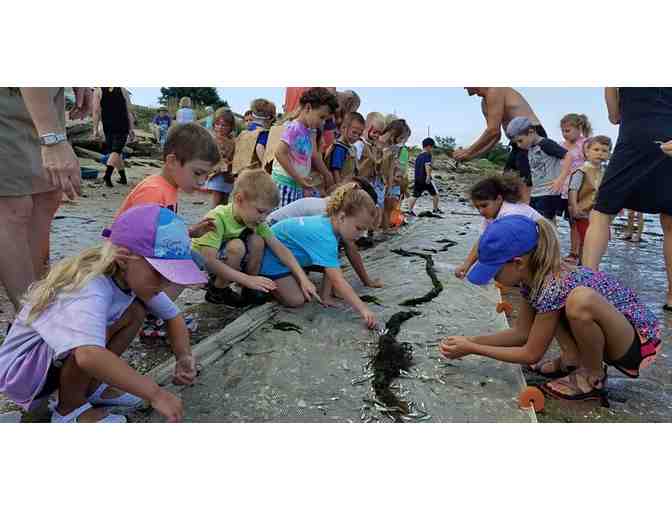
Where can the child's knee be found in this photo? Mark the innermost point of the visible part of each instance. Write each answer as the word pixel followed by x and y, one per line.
pixel 235 249
pixel 579 303
pixel 255 244
pixel 291 300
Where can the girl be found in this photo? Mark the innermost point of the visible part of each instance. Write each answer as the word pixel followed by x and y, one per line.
pixel 594 317
pixel 395 194
pixel 314 242
pixel 391 140
pixel 220 182
pixel 576 129
pixel 495 197
pixel 292 164
pixel 78 321
pixel 185 113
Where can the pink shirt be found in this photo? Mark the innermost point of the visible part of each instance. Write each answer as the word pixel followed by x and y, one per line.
pixel 578 159
pixel 508 209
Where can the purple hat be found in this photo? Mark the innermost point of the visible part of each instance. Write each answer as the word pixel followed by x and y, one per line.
pixel 504 239
pixel 160 236
pixel 518 126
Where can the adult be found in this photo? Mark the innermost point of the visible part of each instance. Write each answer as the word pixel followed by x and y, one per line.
pixel 639 175
pixel 499 106
pixel 113 106
pixel 37 165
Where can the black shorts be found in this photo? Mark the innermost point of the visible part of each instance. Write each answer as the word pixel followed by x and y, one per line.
pixel 518 161
pixel 115 142
pixel 639 177
pixel 52 383
pixel 419 187
pixel 549 206
pixel 629 363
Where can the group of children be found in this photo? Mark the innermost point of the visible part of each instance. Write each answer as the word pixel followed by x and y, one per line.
pixel 282 204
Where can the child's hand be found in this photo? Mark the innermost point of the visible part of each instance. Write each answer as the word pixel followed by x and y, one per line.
pixel 185 371
pixel 168 405
pixel 461 271
pixel 454 347
pixel 305 182
pixel 309 290
pixel 667 148
pixel 370 318
pixel 376 283
pixel 557 185
pixel 202 227
pixel 260 283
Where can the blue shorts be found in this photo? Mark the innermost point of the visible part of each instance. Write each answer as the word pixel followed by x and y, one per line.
pixel 218 183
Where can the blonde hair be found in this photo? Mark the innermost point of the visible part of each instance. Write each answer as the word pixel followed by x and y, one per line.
pixel 70 275
pixel 579 121
pixel 545 259
pixel 185 102
pixel 375 118
pixel 350 199
pixel 257 186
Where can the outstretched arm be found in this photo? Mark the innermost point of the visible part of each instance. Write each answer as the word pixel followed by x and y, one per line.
pixel 493 130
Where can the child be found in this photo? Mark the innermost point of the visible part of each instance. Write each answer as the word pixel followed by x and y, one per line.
pixel 575 130
pixel 77 322
pixel 423 177
pixel 495 197
pixel 160 125
pixel 550 165
pixel 251 143
pixel 314 242
pixel 233 250
pixel 585 182
pixel 395 194
pixel 594 317
pixel 348 102
pixel 185 113
pixel 370 156
pixel 341 157
pixel 638 217
pixel 318 207
pixel 392 139
pixel 208 121
pixel 292 164
pixel 220 182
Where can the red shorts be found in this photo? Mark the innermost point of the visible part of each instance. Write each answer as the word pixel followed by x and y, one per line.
pixel 582 228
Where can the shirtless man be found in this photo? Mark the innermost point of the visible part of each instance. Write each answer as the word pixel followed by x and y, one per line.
pixel 499 106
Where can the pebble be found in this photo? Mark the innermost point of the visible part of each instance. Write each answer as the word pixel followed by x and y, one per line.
pixel 301 403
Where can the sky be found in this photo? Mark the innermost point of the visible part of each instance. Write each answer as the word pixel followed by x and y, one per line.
pixel 445 111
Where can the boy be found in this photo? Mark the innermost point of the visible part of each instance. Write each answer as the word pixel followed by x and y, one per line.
pixel 586 181
pixel 251 143
pixel 423 178
pixel 234 249
pixel 341 157
pixel 160 125
pixel 550 165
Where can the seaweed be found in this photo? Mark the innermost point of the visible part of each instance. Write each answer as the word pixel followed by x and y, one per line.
pixel 429 214
pixel 392 357
pixel 371 299
pixel 429 267
pixel 287 326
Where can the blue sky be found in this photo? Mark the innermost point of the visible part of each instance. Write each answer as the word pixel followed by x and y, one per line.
pixel 448 111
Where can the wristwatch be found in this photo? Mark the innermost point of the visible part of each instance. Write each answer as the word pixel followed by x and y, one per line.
pixel 49 139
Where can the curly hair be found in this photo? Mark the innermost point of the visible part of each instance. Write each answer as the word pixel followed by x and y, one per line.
pixel 509 187
pixel 579 121
pixel 398 130
pixel 263 108
pixel 317 97
pixel 350 199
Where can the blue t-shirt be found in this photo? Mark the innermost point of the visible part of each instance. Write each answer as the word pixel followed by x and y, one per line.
pixel 262 139
pixel 338 157
pixel 311 239
pixel 163 121
pixel 420 162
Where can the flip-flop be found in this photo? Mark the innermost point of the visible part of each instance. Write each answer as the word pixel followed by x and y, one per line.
pixel 124 400
pixel 556 374
pixel 593 394
pixel 74 415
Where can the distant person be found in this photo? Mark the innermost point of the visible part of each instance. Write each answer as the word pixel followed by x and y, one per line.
pixel 423 177
pixel 639 175
pixel 113 106
pixel 585 183
pixel 220 181
pixel 576 129
pixel 595 318
pixel 208 121
pixel 500 105
pixel 185 112
pixel 38 166
pixel 160 125
pixel 549 165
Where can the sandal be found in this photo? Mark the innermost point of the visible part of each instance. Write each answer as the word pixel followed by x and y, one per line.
pixel 559 368
pixel 124 400
pixel 74 415
pixel 597 388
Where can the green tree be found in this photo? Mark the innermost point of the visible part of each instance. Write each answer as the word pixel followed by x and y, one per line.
pixel 445 144
pixel 205 96
pixel 498 154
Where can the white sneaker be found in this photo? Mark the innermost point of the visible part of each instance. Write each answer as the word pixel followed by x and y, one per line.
pixel 125 400
pixel 74 415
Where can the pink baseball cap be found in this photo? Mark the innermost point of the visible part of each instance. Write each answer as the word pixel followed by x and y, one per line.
pixel 160 236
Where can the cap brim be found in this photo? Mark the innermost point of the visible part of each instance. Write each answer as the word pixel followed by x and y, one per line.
pixel 481 273
pixel 180 272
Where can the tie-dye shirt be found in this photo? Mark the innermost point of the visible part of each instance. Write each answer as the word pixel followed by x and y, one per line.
pixel 297 137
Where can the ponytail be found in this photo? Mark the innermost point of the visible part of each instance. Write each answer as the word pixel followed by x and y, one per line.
pixel 350 199
pixel 579 121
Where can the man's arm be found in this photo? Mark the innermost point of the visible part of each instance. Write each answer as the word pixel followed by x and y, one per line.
pixel 611 98
pixel 493 129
